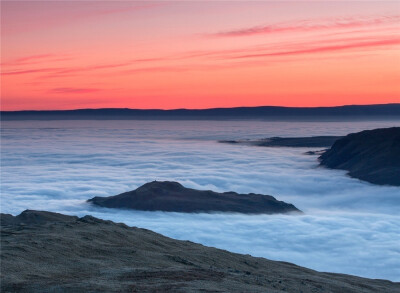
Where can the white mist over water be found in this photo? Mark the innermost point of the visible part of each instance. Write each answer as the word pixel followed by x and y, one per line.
pixel 349 226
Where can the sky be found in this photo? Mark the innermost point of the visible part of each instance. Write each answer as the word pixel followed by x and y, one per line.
pixel 187 54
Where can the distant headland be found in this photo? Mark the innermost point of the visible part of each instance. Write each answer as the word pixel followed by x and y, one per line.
pixel 349 112
pixel 369 155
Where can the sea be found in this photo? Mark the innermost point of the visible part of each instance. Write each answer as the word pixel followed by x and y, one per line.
pixel 348 226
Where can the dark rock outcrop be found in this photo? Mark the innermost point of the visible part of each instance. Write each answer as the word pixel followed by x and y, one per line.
pixel 29 217
pixel 370 155
pixel 315 153
pixel 295 142
pixel 173 197
pixel 91 255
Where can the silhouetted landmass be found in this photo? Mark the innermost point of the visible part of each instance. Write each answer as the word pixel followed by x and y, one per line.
pixel 173 197
pixel 312 141
pixel 370 155
pixel 58 253
pixel 384 111
pixel 315 153
pixel 34 217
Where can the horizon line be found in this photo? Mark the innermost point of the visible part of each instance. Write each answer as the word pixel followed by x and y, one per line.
pixel 200 109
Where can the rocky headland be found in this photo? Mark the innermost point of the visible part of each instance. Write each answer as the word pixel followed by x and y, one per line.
pixel 370 155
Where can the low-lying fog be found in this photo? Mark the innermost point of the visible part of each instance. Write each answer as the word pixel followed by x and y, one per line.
pixel 349 226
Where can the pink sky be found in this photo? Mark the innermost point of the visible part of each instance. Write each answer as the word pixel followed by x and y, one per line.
pixel 184 54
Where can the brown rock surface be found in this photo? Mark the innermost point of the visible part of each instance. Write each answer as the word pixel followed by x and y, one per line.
pixel 57 253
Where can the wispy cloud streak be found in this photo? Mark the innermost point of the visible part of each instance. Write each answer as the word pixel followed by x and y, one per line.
pixel 324 49
pixel 312 25
pixel 30 71
pixel 64 71
pixel 28 59
pixel 68 90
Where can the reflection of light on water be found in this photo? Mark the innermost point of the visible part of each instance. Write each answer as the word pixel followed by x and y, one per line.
pixel 352 226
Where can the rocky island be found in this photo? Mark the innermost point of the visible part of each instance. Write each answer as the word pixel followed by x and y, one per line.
pixel 370 155
pixel 171 196
pixel 50 252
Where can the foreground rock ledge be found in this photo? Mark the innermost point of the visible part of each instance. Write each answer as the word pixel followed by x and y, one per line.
pixel 173 197
pixel 49 252
pixel 369 155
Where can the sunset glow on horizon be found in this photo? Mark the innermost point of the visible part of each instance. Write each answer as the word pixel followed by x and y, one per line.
pixel 184 54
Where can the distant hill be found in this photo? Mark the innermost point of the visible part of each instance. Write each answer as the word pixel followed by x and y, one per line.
pixel 370 155
pixel 266 112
